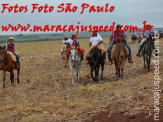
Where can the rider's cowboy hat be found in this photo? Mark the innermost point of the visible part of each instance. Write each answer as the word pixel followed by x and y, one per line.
pixel 10 38
pixel 65 36
pixel 149 24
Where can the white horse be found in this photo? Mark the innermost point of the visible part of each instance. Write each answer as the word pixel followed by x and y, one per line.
pixel 74 62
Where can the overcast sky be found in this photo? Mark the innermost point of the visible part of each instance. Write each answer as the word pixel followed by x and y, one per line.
pixel 127 12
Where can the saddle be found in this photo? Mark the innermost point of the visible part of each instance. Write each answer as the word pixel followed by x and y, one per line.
pixel 114 49
pixel 12 56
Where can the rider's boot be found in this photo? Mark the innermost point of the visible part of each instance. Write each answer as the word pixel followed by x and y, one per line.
pixel 138 54
pixel 130 60
pixel 110 62
pixel 18 65
pixel 82 57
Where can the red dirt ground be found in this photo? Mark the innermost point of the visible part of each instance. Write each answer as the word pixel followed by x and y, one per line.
pixel 103 116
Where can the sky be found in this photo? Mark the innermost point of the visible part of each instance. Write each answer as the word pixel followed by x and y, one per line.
pixel 126 12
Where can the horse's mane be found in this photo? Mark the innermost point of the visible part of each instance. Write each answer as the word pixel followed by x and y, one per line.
pixel 95 49
pixel 12 56
pixel 93 55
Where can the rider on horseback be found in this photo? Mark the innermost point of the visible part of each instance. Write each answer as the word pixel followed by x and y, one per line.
pixel 65 43
pixel 118 36
pixel 96 41
pixel 10 46
pixel 146 36
pixel 75 43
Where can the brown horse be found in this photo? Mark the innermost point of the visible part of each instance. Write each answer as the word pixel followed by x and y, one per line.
pixel 120 58
pixel 64 53
pixel 8 65
pixel 139 37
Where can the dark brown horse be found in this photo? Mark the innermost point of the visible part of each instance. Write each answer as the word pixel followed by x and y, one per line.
pixel 120 58
pixel 134 38
pixel 8 65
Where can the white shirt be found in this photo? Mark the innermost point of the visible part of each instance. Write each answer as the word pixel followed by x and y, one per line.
pixel 70 41
pixel 147 33
pixel 65 41
pixel 95 40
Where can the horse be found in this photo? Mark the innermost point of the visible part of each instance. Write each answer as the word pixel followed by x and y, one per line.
pixel 147 52
pixel 139 38
pixel 74 62
pixel 8 65
pixel 64 53
pixel 96 60
pixel 134 38
pixel 120 58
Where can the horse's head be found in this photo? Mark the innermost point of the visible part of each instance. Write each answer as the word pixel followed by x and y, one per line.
pixel 74 56
pixel 121 49
pixel 2 51
pixel 94 56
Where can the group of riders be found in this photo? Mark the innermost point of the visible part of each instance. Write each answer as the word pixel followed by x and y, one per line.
pixel 97 41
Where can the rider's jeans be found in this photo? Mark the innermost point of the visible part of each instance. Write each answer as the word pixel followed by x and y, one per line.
pixel 142 42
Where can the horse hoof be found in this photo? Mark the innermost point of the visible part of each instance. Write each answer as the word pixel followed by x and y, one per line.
pixel 96 80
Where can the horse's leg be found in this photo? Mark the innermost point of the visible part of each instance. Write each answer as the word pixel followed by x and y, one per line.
pixel 148 63
pixel 12 76
pixel 97 72
pixel 18 72
pixel 102 70
pixel 4 78
pixel 66 61
pixel 116 68
pixel 122 68
pixel 78 72
pixel 144 61
pixel 96 75
pixel 92 74
pixel 72 74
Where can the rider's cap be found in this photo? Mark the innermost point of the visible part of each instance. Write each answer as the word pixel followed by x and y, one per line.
pixel 74 36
